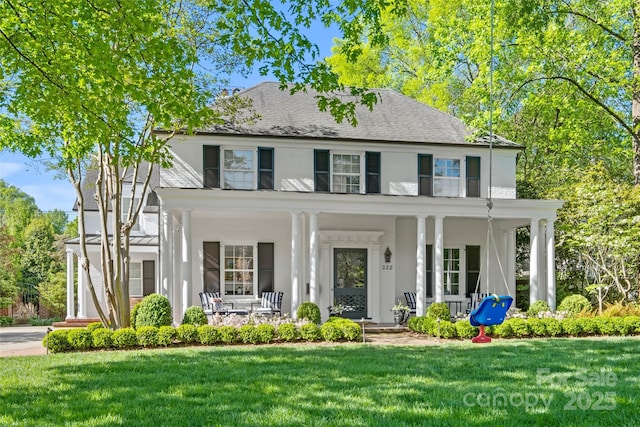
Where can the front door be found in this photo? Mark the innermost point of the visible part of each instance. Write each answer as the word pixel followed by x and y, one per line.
pixel 350 281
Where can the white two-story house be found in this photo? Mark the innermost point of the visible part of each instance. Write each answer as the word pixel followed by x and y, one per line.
pixel 332 213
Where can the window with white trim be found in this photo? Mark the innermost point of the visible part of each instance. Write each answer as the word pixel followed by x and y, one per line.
pixel 346 173
pixel 238 169
pixel 451 271
pixel 135 279
pixel 239 270
pixel 446 177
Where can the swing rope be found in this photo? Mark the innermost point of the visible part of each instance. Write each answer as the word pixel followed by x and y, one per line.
pixel 490 237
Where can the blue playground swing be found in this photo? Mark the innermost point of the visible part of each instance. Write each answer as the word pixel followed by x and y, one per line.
pixel 491 311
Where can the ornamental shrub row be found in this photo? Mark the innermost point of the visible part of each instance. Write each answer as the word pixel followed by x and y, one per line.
pixel 97 337
pixel 531 327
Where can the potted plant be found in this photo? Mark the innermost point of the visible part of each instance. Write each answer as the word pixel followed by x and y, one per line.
pixel 335 310
pixel 400 313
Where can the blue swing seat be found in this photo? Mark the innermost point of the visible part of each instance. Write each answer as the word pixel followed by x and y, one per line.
pixel 491 311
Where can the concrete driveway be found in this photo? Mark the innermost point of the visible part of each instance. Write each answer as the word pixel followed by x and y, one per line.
pixel 22 340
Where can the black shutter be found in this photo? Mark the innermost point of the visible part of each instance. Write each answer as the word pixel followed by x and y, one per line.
pixel 265 267
pixel 211 166
pixel 321 169
pixel 473 176
pixel 265 168
pixel 211 266
pixel 148 277
pixel 473 268
pixel 429 270
pixel 425 175
pixel 372 165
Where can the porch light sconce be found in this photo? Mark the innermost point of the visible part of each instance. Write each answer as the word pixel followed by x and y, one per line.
pixel 387 255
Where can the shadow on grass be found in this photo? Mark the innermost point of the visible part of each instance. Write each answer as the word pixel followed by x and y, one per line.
pixel 527 382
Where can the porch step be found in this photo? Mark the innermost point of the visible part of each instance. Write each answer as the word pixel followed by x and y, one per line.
pixel 75 323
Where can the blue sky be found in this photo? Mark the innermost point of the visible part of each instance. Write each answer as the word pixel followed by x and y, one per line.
pixel 49 192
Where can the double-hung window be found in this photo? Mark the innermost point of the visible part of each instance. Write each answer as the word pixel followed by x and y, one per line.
pixel 346 173
pixel 451 271
pixel 135 279
pixel 349 173
pixel 446 179
pixel 238 169
pixel 239 270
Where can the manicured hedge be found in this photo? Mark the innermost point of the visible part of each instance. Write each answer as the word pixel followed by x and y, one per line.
pixel 532 327
pixel 97 337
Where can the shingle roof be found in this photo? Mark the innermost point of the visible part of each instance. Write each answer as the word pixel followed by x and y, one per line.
pixel 395 118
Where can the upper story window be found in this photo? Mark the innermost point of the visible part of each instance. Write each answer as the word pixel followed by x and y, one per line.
pixel 446 179
pixel 347 172
pixel 236 168
pixel 443 176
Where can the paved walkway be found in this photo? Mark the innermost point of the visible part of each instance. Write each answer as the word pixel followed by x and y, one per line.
pixel 27 340
pixel 22 340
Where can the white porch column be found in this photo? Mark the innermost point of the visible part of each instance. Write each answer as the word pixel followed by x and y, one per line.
pixel 511 263
pixel 542 266
pixel 176 279
pixel 166 260
pixel 314 243
pixel 533 261
pixel 71 305
pixel 295 262
pixel 82 302
pixel 439 258
pixel 551 265
pixel 186 260
pixel 420 265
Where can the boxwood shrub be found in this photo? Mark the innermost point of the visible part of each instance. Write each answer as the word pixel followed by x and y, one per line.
pixel 537 308
pixel 447 329
pixel 6 320
pixel 187 334
pixel 537 326
pixel 588 325
pixel 248 334
pixel 574 304
pixel 519 327
pixel 265 333
pixel 330 331
pixel 57 340
pixel 552 326
pixel 207 335
pixel 571 326
pixel 633 324
pixel 80 339
pixel 287 332
pixel 147 336
pixel 465 330
pixel 228 334
pixel 502 330
pixel 102 338
pixel 154 310
pixel 95 325
pixel 125 338
pixel 439 310
pixel 310 311
pixel 195 316
pixel 166 335
pixel 310 332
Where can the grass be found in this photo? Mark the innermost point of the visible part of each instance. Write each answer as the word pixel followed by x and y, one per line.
pixel 320 385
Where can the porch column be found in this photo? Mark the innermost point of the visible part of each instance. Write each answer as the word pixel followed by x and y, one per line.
pixel 176 262
pixel 166 259
pixel 551 265
pixel 82 302
pixel 511 263
pixel 295 262
pixel 186 259
pixel 71 306
pixel 542 277
pixel 439 258
pixel 313 251
pixel 533 261
pixel 420 265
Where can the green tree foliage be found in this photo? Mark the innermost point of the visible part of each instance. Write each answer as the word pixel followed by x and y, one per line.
pixel 9 271
pixel 53 293
pixel 40 257
pixel 17 209
pixel 599 228
pixel 563 83
pixel 116 71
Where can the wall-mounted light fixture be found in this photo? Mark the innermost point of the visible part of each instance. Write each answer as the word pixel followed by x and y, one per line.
pixel 387 255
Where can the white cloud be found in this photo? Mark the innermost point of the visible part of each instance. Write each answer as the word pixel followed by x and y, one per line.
pixel 52 195
pixel 10 168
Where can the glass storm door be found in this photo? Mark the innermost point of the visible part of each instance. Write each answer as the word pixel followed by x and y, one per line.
pixel 350 281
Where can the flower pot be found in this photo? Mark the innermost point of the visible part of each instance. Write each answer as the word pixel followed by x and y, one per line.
pixel 398 317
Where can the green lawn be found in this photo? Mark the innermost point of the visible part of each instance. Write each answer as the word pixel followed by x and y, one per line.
pixel 550 382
